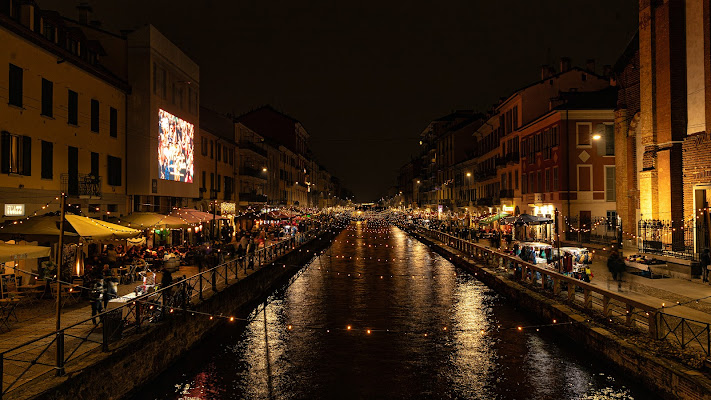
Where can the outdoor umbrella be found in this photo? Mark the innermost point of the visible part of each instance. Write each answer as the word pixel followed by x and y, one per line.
pixel 41 225
pixel 152 220
pixel 14 252
pixel 528 219
pixel 97 229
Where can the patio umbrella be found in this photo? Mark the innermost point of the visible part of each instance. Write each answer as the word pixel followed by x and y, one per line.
pixel 152 220
pixel 14 252
pixel 192 216
pixel 528 219
pixel 97 229
pixel 41 225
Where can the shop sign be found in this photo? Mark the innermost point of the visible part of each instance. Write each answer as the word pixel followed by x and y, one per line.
pixel 440 208
pixel 14 210
pixel 508 209
pixel 227 208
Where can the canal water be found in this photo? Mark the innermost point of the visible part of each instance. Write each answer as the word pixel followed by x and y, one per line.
pixel 381 316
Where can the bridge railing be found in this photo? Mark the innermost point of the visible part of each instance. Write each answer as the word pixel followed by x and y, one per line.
pixel 613 306
pixel 616 308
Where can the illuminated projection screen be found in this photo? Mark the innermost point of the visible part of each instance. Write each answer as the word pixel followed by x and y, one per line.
pixel 175 148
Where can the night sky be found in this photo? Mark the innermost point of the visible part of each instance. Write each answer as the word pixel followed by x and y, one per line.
pixel 365 78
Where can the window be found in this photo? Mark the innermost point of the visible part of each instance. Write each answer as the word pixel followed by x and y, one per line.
pixel 219 183
pixel 203 146
pixel 49 32
pixel 225 156
pixel 515 117
pixel 219 151
pixel 212 148
pixel 73 108
pixel 113 171
pixel 555 179
pixel 47 91
pixel 609 140
pixel 16 154
pixel 524 183
pixel 548 180
pixel 15 86
pixel 203 180
pixel 554 133
pixel 47 160
pixel 113 122
pixel 212 182
pixel 112 208
pixel 94 115
pixel 540 182
pixel 95 164
pixel 232 157
pixel 610 191
pixel 516 179
pixel 583 132
pixel 584 178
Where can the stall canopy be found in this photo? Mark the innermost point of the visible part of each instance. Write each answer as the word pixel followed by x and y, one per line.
pixel 152 220
pixel 277 215
pixel 192 216
pixel 492 218
pixel 97 229
pixel 527 219
pixel 14 252
pixel 42 225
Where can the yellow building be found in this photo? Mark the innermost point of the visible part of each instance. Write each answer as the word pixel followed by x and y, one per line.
pixel 62 117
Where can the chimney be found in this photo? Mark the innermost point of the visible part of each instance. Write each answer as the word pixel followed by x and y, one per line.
pixel 607 70
pixel 565 64
pixel 590 65
pixel 545 72
pixel 27 15
pixel 84 11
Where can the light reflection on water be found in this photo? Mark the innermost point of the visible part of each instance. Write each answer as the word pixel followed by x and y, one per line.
pixel 320 359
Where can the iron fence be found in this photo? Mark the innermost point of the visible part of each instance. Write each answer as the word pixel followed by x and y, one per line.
pixel 683 332
pixel 672 239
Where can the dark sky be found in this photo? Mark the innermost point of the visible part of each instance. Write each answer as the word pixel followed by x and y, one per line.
pixel 365 78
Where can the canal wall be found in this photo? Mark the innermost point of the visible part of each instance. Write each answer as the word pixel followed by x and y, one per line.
pixel 142 357
pixel 670 379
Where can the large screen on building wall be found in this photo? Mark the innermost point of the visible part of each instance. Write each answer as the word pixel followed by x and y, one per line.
pixel 175 148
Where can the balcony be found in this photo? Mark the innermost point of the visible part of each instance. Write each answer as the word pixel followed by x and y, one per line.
pixel 253 172
pixel 500 161
pixel 253 197
pixel 84 186
pixel 506 194
pixel 253 147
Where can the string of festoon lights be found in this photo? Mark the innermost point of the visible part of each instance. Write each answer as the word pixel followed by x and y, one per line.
pixel 31 215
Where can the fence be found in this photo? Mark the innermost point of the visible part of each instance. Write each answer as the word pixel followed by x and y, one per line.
pixel 617 309
pixel 672 239
pixel 57 350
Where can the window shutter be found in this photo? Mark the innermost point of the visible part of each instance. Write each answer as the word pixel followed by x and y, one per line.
pixel 26 155
pixel 5 155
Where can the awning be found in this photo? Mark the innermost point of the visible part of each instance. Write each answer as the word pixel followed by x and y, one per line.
pixel 152 220
pixel 42 225
pixel 527 219
pixel 192 216
pixel 97 229
pixel 13 252
pixel 492 218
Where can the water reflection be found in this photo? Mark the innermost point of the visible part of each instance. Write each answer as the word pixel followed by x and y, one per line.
pixel 435 332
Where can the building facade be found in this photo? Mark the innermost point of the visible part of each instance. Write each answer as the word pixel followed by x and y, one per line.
pixel 62 119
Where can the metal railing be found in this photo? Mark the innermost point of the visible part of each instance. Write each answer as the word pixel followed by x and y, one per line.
pixel 672 239
pixel 56 351
pixel 616 308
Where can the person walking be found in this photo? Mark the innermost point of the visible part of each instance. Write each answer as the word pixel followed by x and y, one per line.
pixel 617 267
pixel 110 285
pixel 95 295
pixel 705 261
